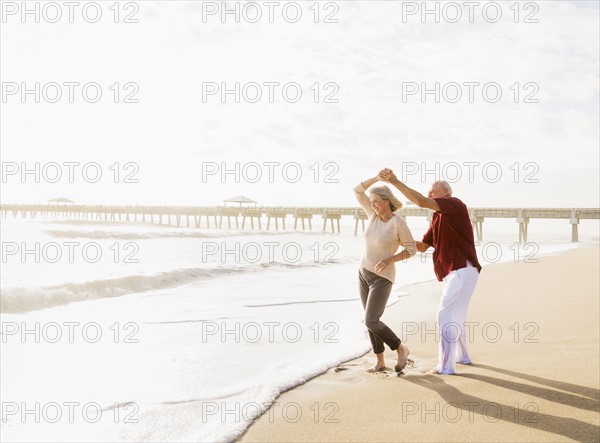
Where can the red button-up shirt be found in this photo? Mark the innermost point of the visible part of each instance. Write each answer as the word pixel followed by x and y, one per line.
pixel 451 235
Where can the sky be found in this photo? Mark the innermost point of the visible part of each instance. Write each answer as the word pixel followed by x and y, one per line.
pixel 510 119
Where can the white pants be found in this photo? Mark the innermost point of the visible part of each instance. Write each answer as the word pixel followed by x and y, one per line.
pixel 458 288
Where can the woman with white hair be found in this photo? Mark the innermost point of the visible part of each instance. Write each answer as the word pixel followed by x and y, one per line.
pixel 385 233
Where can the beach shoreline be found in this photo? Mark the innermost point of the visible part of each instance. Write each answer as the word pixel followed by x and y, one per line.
pixel 527 322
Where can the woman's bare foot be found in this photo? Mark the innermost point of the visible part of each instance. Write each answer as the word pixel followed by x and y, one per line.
pixel 403 352
pixel 377 367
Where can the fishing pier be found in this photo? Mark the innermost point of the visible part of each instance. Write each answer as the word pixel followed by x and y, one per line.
pixel 254 217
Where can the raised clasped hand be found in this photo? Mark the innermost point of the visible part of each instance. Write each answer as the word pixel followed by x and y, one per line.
pixel 387 175
pixel 383 175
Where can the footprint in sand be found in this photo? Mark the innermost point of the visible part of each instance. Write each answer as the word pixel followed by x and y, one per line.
pixel 353 380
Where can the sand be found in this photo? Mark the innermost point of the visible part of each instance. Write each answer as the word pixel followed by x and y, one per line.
pixel 535 374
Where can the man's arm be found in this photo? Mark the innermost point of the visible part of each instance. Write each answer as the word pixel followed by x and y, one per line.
pixel 416 197
pixel 422 247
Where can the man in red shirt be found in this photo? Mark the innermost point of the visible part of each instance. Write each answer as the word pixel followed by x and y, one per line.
pixel 454 262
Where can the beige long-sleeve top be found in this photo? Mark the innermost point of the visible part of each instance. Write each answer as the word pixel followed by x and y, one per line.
pixel 382 239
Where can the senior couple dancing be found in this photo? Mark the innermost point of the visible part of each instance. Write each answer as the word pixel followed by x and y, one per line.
pixel 454 261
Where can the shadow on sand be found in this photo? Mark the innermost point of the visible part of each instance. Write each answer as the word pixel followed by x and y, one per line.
pixel 527 414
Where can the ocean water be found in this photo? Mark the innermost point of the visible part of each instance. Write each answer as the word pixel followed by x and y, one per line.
pixel 142 332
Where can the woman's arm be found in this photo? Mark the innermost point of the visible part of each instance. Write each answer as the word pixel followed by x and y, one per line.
pixel 362 198
pixel 370 182
pixel 402 255
pixel 407 241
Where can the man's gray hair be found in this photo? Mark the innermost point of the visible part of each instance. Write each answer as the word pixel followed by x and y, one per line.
pixel 445 186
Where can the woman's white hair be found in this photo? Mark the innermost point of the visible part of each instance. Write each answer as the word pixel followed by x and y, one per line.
pixel 385 193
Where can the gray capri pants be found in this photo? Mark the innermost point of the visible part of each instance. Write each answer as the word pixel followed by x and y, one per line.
pixel 374 293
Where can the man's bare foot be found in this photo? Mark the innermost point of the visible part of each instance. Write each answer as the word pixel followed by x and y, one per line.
pixel 377 367
pixel 436 372
pixel 403 352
